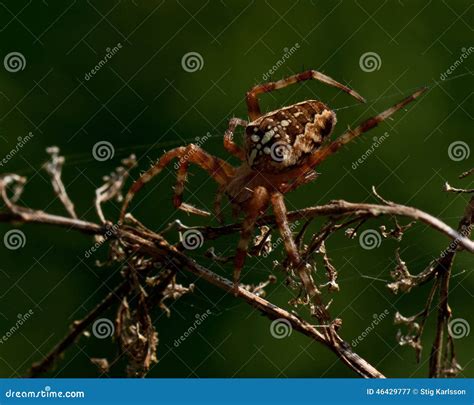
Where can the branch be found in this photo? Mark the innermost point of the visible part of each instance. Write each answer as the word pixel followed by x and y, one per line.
pixel 76 329
pixel 341 208
pixel 54 168
pixel 171 257
pixel 443 270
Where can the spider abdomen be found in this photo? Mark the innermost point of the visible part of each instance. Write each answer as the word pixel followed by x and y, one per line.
pixel 282 139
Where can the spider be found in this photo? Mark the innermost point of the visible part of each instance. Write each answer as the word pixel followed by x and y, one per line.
pixel 280 151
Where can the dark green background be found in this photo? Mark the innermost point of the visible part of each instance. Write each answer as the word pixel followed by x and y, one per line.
pixel 142 101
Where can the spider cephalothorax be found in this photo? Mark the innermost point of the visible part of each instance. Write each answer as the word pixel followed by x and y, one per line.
pixel 280 151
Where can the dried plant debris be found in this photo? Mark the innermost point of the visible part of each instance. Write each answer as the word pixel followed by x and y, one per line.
pixel 259 289
pixel 173 291
pixel 412 336
pixel 137 337
pixel 397 232
pixel 263 242
pixel 404 280
pixel 102 365
pixel 113 185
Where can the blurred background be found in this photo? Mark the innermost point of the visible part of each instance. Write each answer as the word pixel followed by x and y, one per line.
pixel 146 76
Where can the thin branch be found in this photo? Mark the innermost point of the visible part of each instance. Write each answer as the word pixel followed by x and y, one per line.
pixel 341 208
pixel 113 184
pixel 444 270
pixel 54 168
pixel 450 189
pixel 76 329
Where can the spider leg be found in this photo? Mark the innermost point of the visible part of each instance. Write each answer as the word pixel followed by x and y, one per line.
pixel 217 168
pixel 254 208
pixel 229 143
pixel 252 96
pixel 324 152
pixel 181 176
pixel 218 204
pixel 308 177
pixel 302 270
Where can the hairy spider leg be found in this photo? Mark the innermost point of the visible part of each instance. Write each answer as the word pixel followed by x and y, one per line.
pixel 301 268
pixel 255 207
pixel 181 178
pixel 218 204
pixel 229 143
pixel 217 168
pixel 252 95
pixel 308 177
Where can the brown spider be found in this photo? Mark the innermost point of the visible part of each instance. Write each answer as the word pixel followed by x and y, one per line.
pixel 280 151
